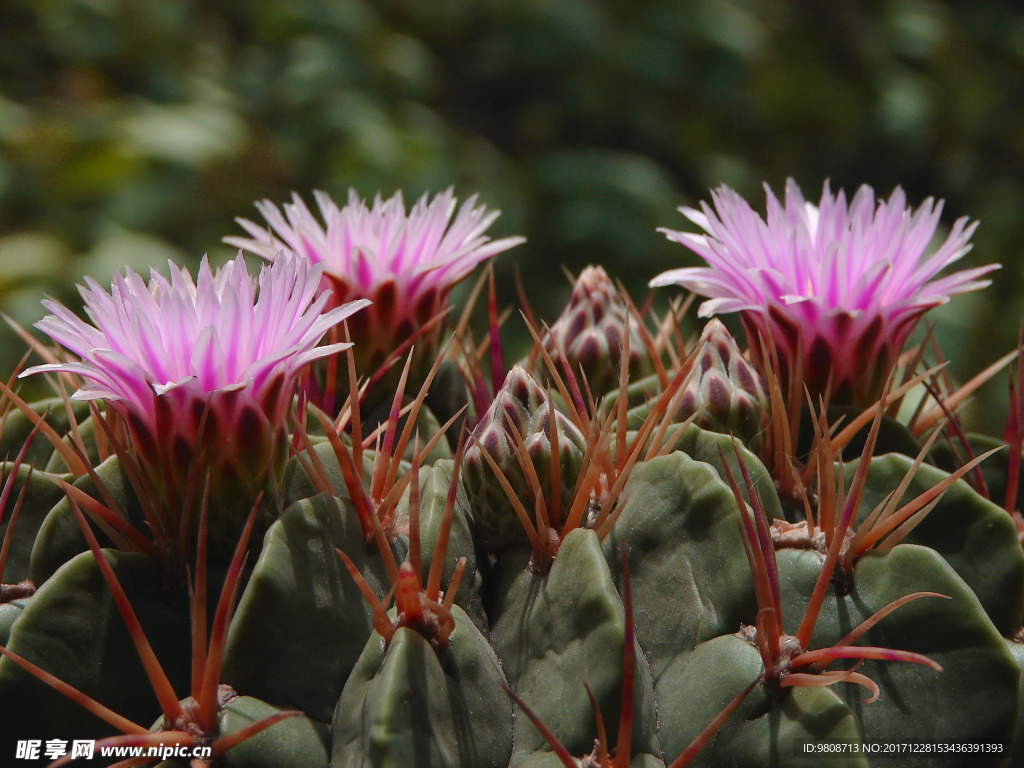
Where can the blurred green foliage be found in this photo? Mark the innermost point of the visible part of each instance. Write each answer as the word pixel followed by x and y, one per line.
pixel 136 130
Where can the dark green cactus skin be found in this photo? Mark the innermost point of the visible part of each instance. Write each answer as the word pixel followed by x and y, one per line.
pixel 298 485
pixel 72 628
pixel 406 705
pixel 447 395
pixel 994 469
pixel 434 484
pixel 976 537
pixel 555 630
pixel 9 613
pixel 302 635
pixel 893 436
pixel 710 447
pixel 298 742
pixel 17 428
pixel 1016 650
pixel 301 601
pixel 639 394
pixel 40 497
pixel 59 538
pixel 762 732
pixel 690 575
pixel 972 700
pixel 86 438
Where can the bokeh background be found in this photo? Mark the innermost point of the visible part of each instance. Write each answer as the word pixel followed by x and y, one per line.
pixel 133 131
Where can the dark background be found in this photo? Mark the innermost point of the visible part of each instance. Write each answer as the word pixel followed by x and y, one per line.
pixel 132 132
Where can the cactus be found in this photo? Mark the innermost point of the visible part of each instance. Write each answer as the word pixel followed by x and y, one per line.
pixel 727 393
pixel 630 550
pixel 591 333
pixel 514 439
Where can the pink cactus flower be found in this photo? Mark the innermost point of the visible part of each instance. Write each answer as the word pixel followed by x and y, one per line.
pixel 200 371
pixel 835 288
pixel 407 263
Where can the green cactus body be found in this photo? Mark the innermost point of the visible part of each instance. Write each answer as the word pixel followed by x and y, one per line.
pixel 434 484
pixel 1016 648
pixel 17 427
pixel 60 538
pixel 972 700
pixel 9 613
pixel 691 581
pixel 426 425
pixel 298 484
pixel 710 447
pixel 72 629
pixel 994 470
pixel 447 395
pixel 640 393
pixel 975 536
pixel 298 742
pixel 84 439
pixel 301 622
pixel 893 435
pixel 407 706
pixel 522 407
pixel 41 496
pixel 764 731
pixel 554 631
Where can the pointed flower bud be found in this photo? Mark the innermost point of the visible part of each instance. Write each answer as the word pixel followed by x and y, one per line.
pixel 726 392
pixel 406 263
pixel 591 332
pixel 200 371
pixel 836 289
pixel 518 424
